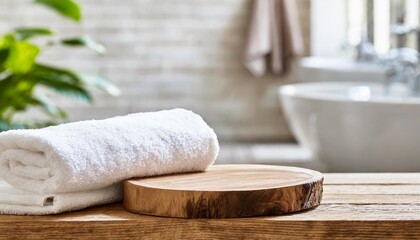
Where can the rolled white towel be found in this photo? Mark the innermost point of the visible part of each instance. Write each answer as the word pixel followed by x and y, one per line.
pixel 92 155
pixel 20 202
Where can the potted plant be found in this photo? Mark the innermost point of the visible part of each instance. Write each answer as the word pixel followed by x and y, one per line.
pixel 21 73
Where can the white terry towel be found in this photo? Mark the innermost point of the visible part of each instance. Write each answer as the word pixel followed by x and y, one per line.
pixel 20 202
pixel 93 155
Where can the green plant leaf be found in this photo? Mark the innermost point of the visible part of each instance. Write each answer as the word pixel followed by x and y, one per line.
pixel 60 74
pixel 61 84
pixel 7 41
pixel 70 90
pixel 67 8
pixel 4 54
pixel 26 33
pixel 15 96
pixel 18 95
pixel 22 57
pixel 100 83
pixel 5 87
pixel 44 124
pixel 85 41
pixel 4 125
pixel 49 107
pixel 60 80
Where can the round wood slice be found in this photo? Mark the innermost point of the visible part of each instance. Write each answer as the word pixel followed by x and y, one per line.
pixel 225 191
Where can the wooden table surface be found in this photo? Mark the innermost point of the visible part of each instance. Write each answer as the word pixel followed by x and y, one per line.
pixel 365 206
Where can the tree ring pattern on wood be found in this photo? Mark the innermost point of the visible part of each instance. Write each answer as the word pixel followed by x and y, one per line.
pixel 226 191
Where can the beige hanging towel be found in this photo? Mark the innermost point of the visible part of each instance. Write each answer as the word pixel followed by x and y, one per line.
pixel 274 36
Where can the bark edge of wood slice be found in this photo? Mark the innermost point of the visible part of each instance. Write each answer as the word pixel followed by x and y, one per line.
pixel 225 191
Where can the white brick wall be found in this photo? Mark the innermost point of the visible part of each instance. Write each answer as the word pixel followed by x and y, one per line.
pixel 165 54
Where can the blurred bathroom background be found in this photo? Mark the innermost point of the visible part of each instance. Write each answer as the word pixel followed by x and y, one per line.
pixel 189 54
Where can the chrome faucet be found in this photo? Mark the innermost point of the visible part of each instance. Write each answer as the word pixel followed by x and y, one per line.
pixel 402 66
pixel 401 31
pixel 366 51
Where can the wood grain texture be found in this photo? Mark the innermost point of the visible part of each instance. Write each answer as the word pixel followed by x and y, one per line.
pixel 226 191
pixel 395 214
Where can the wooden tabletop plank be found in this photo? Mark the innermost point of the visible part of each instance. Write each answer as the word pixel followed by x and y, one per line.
pixel 367 209
pixel 356 212
pixel 152 228
pixel 371 199
pixel 372 178
pixel 371 189
pixel 339 212
pixel 340 221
